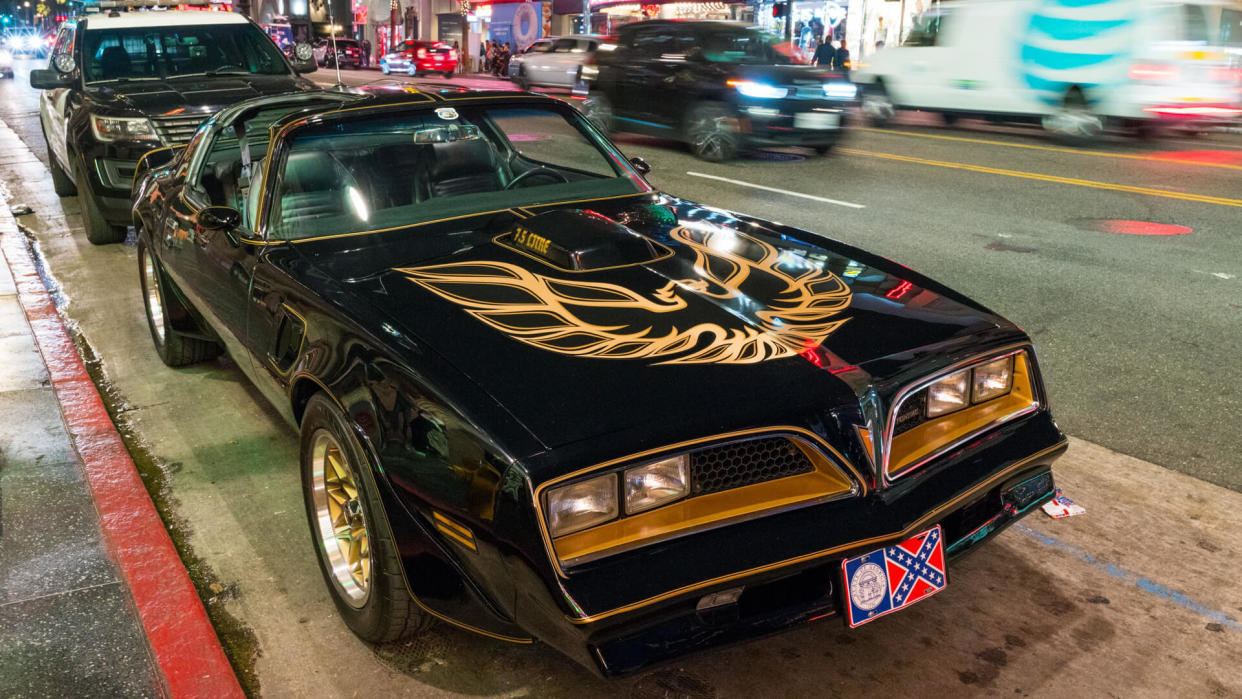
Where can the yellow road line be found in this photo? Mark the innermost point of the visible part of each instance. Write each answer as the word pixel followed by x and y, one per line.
pixel 1201 198
pixel 1053 149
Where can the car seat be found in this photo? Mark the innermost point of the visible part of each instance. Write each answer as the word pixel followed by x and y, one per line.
pixel 463 167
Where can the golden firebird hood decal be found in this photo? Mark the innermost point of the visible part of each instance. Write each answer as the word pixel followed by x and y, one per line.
pixel 547 312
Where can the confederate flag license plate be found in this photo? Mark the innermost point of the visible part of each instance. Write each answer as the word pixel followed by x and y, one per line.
pixel 894 577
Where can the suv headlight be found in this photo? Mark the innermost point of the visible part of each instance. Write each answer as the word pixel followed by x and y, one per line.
pixel 758 90
pixel 656 484
pixel 840 90
pixel 118 128
pixel 575 507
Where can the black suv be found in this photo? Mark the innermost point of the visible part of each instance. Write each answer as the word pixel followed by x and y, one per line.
pixel 122 84
pixel 718 86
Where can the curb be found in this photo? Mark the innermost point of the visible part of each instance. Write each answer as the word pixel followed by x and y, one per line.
pixel 182 641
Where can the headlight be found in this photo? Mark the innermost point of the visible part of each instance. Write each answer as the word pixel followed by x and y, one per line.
pixel 6 58
pixel 581 505
pixel 32 42
pixel 949 394
pixel 992 379
pixel 656 484
pixel 116 128
pixel 840 90
pixel 758 90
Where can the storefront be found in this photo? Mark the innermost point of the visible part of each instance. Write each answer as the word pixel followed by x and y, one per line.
pixel 607 16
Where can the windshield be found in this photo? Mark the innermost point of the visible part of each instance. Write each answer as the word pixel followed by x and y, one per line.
pixel 743 46
pixel 162 52
pixel 391 171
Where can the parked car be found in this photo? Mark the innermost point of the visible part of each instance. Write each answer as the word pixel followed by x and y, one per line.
pixel 553 62
pixel 1071 67
pixel 718 86
pixel 348 53
pixel 420 57
pixel 538 398
pixel 123 83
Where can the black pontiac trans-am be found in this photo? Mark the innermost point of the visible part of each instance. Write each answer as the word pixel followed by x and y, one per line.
pixel 538 398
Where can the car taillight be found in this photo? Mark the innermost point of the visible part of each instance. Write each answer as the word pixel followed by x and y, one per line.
pixel 1227 75
pixel 453 54
pixel 1153 71
pixel 422 53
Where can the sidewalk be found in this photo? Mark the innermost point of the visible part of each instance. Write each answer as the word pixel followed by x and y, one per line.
pixel 93 599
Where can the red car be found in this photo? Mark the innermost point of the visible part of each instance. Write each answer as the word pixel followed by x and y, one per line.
pixel 418 57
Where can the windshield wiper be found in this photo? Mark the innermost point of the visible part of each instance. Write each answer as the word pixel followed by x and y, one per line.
pixel 227 69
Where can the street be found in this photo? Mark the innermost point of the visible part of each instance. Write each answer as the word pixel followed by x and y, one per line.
pixel 1122 261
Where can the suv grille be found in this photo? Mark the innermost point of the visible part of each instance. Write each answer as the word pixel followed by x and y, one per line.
pixel 739 464
pixel 177 130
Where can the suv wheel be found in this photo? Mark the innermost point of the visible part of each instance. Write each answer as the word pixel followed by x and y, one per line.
pixel 598 110
pixel 62 183
pixel 98 230
pixel 712 133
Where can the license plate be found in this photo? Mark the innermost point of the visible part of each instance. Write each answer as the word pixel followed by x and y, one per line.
pixel 894 577
pixel 818 121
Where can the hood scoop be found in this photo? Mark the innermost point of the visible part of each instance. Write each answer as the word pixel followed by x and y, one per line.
pixel 575 240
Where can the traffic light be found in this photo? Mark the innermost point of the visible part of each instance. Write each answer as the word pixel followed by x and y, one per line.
pixel 780 9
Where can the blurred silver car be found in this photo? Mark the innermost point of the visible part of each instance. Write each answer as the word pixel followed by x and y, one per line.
pixel 554 61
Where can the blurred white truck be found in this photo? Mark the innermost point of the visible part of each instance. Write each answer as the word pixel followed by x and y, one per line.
pixel 1073 66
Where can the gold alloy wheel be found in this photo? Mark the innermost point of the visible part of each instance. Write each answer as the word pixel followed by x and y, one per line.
pixel 341 527
pixel 154 307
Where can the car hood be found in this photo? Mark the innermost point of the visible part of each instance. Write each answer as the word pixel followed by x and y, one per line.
pixel 676 315
pixel 206 94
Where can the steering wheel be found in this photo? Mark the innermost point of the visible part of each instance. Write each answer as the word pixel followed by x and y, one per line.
pixel 538 170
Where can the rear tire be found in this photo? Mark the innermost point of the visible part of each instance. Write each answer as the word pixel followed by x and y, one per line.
pixel 711 133
pixel 448 75
pixel 412 72
pixel 98 230
pixel 1073 124
pixel 361 569
pixel 162 306
pixel 824 149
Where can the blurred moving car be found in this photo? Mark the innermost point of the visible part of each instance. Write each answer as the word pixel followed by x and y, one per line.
pixel 420 57
pixel 347 52
pixel 124 83
pixel 538 398
pixel 1073 67
pixel 553 62
pixel 718 86
pixel 6 63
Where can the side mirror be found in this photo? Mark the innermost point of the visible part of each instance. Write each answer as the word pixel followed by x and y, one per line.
pixel 158 158
pixel 641 165
pixel 45 79
pixel 225 219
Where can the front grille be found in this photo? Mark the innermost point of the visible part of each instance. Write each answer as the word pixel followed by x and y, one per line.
pixel 177 130
pixel 739 464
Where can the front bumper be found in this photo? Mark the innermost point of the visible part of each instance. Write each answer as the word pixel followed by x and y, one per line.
pixel 790 564
pixel 792 123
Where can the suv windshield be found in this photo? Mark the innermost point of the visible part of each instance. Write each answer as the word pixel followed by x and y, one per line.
pixel 162 52
pixel 390 171
pixel 742 46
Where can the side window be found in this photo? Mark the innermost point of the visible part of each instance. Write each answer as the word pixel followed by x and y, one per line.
pixel 652 43
pixel 925 29
pixel 564 45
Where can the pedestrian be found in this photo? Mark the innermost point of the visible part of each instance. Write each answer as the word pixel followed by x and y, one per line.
pixel 825 54
pixel 366 53
pixel 491 55
pixel 841 61
pixel 505 54
pixel 482 56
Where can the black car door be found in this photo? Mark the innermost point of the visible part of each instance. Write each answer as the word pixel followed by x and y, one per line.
pixel 213 267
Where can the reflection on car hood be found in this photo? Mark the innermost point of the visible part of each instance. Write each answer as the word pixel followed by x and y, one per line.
pixel 728 323
pixel 208 93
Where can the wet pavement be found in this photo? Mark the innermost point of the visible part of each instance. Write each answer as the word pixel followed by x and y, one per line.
pixel 67 622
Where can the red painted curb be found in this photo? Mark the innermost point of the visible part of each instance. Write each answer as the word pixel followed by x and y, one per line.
pixel 180 635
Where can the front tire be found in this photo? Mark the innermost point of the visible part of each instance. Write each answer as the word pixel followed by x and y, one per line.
pixel 175 349
pixel 98 230
pixel 711 133
pixel 355 549
pixel 1073 124
pixel 385 69
pixel 877 106
pixel 412 72
pixel 62 183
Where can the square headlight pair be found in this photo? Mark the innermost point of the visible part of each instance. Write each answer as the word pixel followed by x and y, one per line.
pixel 969 386
pixel 594 501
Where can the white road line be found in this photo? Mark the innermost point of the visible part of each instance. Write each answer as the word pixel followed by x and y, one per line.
pixel 786 192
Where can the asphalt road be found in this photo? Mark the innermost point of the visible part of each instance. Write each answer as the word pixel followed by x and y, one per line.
pixel 1135 333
